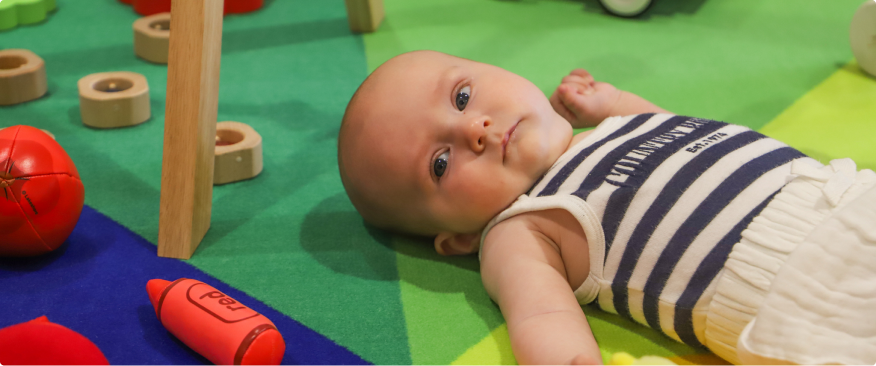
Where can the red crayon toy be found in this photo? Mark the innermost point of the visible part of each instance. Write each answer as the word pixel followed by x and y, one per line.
pixel 213 324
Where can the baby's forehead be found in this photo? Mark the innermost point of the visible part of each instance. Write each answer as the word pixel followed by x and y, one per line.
pixel 417 66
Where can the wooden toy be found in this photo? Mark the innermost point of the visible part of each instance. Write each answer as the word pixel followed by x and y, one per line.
pixel 214 325
pixel 22 76
pixel 114 99
pixel 238 152
pixel 189 126
pixel 152 37
pixel 149 7
pixel 42 194
pixel 862 35
pixel 41 342
pixel 364 15
pixel 24 12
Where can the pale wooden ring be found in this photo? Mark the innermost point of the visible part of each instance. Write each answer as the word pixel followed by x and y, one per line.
pixel 241 160
pixel 101 109
pixel 24 82
pixel 149 43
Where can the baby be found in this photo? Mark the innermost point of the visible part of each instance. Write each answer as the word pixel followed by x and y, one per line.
pixel 682 224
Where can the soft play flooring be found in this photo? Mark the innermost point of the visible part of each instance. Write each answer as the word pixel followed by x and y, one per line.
pixel 289 243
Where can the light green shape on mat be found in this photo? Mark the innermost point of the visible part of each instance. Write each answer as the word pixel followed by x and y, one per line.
pixel 741 61
pixel 613 333
pixel 837 119
pixel 290 236
pixel 23 12
pixel 617 334
pixel 495 349
pixel 446 308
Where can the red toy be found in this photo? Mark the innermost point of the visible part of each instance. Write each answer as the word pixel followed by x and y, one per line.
pixel 216 326
pixel 41 342
pixel 150 7
pixel 42 195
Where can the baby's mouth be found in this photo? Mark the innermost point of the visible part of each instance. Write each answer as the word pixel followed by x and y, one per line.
pixel 507 138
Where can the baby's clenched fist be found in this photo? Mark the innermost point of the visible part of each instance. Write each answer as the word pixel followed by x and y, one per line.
pixel 583 101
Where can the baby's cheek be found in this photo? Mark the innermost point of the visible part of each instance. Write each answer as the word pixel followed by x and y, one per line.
pixel 542 149
pixel 495 197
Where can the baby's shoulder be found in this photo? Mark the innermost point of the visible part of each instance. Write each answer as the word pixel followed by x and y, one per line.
pixel 552 236
pixel 555 228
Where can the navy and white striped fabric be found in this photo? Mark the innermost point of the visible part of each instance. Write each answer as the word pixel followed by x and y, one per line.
pixel 673 195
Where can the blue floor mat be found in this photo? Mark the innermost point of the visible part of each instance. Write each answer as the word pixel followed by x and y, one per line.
pixel 95 284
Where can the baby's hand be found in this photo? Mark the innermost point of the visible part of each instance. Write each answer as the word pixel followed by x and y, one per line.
pixel 582 101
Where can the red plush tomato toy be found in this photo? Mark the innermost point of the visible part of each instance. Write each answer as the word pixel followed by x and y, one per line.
pixel 41 342
pixel 42 195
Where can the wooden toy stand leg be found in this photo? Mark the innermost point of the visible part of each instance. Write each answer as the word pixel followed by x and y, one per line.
pixel 189 126
pixel 364 15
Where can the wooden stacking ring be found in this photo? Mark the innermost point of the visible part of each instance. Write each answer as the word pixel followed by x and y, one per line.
pixel 22 76
pixel 114 99
pixel 152 37
pixel 238 152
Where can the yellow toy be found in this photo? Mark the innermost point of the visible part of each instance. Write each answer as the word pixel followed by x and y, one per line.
pixel 623 358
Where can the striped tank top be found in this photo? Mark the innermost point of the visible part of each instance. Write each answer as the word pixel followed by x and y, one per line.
pixel 662 200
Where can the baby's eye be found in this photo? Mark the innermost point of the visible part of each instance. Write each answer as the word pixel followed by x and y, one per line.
pixel 440 164
pixel 462 97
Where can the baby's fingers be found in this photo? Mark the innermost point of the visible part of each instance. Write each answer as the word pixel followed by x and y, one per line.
pixel 582 73
pixel 557 102
pixel 582 82
pixel 574 102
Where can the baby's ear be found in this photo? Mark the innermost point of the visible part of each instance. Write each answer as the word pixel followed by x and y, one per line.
pixel 457 244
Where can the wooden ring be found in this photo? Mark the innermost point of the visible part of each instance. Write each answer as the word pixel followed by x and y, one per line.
pixel 238 152
pixel 152 37
pixel 22 76
pixel 114 99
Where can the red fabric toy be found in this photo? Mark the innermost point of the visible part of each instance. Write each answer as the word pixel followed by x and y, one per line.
pixel 213 324
pixel 149 7
pixel 41 196
pixel 41 342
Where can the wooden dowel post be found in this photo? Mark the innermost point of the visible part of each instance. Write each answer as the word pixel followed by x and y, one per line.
pixel 364 16
pixel 189 125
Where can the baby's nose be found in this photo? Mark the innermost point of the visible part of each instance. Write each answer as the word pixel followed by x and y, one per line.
pixel 477 134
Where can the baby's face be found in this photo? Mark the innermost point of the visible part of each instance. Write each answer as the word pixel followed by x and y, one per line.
pixel 447 143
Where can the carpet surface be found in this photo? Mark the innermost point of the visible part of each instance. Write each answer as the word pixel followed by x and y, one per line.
pixel 289 244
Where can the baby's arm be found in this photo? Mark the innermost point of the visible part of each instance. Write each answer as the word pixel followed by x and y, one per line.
pixel 585 102
pixel 523 272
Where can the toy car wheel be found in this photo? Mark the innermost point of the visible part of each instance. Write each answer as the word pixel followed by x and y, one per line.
pixel 626 8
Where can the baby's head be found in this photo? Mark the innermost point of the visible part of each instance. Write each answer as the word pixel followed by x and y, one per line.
pixel 437 145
